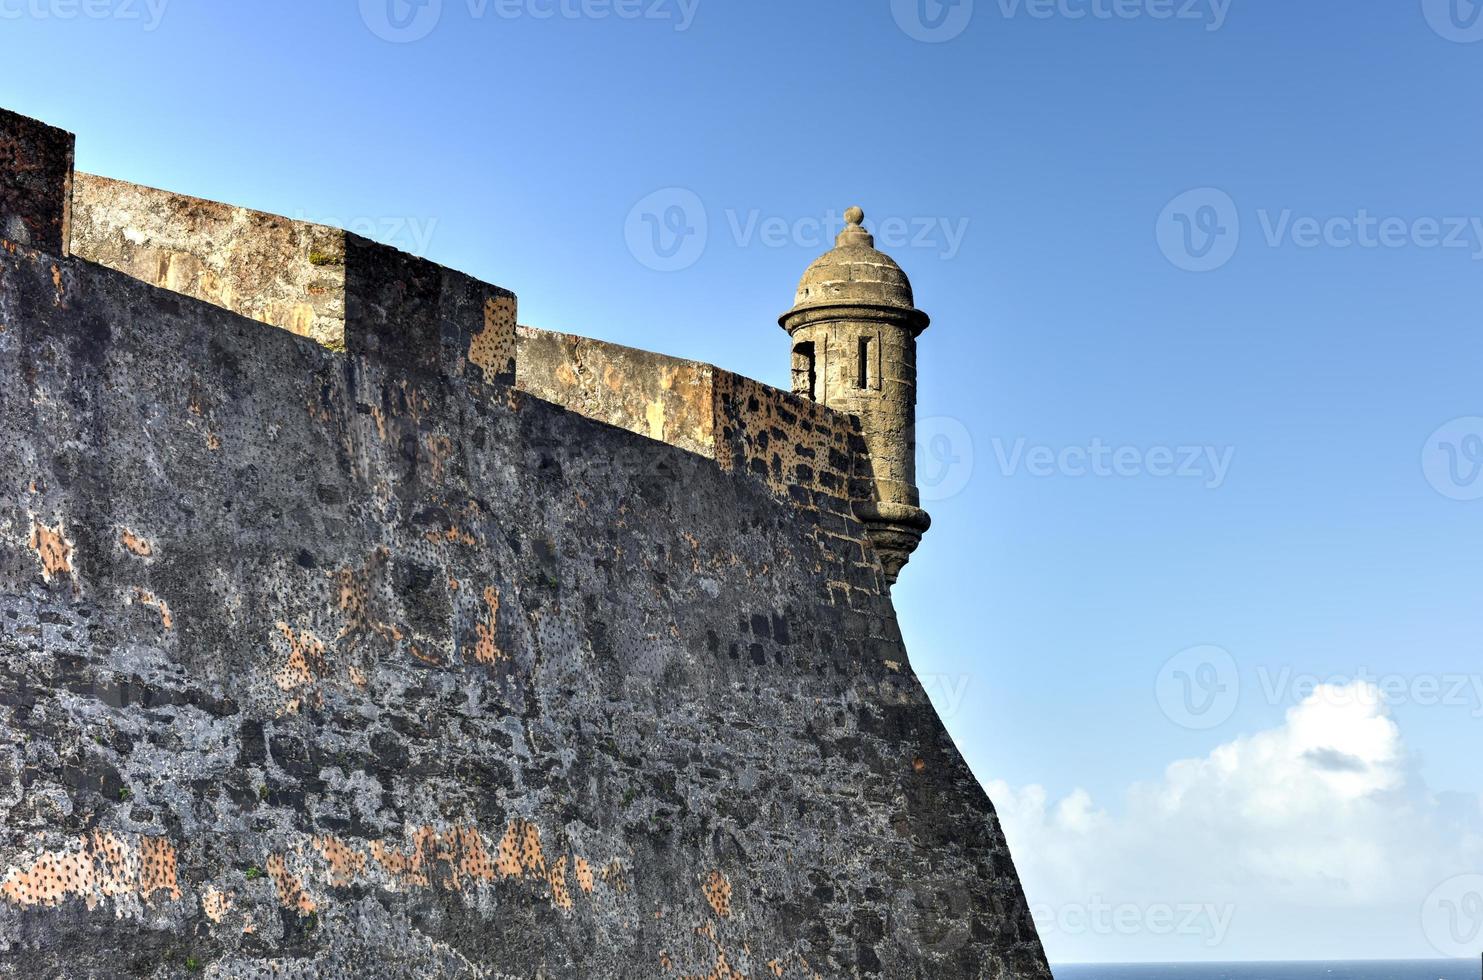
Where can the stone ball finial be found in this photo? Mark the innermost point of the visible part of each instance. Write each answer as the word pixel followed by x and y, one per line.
pixel 855 216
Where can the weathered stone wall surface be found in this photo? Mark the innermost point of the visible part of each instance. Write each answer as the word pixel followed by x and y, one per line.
pixel 805 453
pixel 344 665
pixel 36 192
pixel 312 280
pixel 665 398
pixel 290 274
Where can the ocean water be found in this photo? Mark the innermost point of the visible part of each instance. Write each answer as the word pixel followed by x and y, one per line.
pixel 1389 970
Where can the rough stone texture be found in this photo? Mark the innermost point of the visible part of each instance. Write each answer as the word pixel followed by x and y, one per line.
pixel 330 670
pixel 363 664
pixel 36 191
pixel 806 454
pixel 854 326
pixel 322 283
pixel 665 398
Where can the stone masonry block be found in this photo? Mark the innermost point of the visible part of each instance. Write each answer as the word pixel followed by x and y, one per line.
pixel 35 183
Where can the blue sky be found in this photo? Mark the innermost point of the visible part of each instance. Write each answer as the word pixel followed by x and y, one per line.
pixel 1241 239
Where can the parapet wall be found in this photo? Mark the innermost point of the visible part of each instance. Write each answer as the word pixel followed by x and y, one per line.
pixel 808 455
pixel 347 293
pixel 336 288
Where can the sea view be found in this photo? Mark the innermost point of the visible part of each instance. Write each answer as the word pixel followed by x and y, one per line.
pixel 1374 970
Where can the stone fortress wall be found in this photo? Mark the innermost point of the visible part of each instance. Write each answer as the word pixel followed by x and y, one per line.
pixel 342 655
pixel 325 284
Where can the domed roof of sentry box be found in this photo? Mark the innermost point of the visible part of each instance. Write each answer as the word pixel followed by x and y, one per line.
pixel 855 273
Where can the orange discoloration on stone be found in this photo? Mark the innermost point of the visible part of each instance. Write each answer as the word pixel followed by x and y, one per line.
pixel 49 880
pixel 560 895
pixel 717 891
pixel 615 877
pixel 585 880
pixel 156 603
pixel 54 550
pixel 405 868
pixel 452 858
pixel 474 859
pixel 135 544
pixel 722 970
pixel 919 765
pixel 507 861
pixel 104 866
pixel 486 650
pixel 520 850
pixel 346 863
pixel 157 868
pixel 291 893
pixel 216 904
pixel 455 535
pixel 493 348
pixel 305 664
pixel 380 418
pixel 532 858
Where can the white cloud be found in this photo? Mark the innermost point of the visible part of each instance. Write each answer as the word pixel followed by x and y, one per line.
pixel 1313 839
